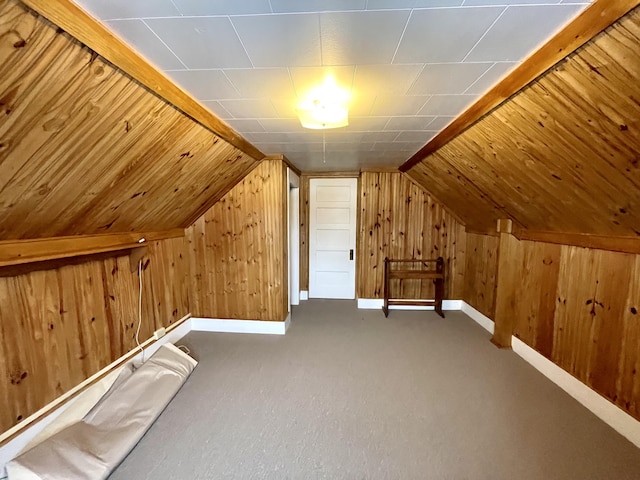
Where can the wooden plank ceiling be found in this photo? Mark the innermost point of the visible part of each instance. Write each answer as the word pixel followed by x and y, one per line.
pixel 562 155
pixel 85 149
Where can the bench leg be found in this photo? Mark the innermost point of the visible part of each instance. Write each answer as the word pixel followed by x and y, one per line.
pixel 439 294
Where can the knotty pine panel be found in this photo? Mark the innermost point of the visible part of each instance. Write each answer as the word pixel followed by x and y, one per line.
pixel 238 250
pixel 561 155
pixel 398 219
pixel 576 306
pixel 60 326
pixel 481 272
pixel 597 322
pixel 85 149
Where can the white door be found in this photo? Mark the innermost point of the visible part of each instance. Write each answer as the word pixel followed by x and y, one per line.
pixel 332 237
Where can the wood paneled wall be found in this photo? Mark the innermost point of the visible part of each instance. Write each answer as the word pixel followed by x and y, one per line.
pixel 561 155
pixel 398 219
pixel 578 307
pixel 480 273
pixel 58 327
pixel 238 250
pixel 84 149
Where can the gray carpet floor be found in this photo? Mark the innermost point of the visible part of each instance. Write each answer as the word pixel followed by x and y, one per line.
pixel 349 394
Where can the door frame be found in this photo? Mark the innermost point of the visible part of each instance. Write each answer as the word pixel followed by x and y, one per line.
pixel 306 199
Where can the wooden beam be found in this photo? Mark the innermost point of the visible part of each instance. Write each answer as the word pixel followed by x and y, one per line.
pixel 508 273
pixel 18 252
pixel 602 242
pixel 504 225
pixel 353 174
pixel 594 19
pixel 80 25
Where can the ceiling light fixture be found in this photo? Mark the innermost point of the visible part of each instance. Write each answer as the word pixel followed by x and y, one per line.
pixel 324 107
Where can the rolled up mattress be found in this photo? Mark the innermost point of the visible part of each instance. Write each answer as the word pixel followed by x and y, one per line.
pixel 95 446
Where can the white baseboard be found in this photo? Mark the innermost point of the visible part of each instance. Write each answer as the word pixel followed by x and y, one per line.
pixel 484 321
pixel 240 326
pixel 615 417
pixel 304 294
pixel 82 398
pixel 377 303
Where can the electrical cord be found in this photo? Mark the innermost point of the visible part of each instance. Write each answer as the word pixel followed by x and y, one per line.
pixel 139 310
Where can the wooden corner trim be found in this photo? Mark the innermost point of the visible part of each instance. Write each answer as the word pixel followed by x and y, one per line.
pixel 601 242
pixel 594 19
pixel 80 25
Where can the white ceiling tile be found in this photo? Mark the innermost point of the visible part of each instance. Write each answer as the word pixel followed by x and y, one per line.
pixel 442 78
pixel 204 84
pixel 491 77
pixel 361 37
pixel 218 109
pixel 286 6
pixel 399 4
pixel 349 147
pixel 389 4
pixel 338 136
pixel 250 108
pixel 246 126
pixel 379 136
pixel 222 7
pixel 440 122
pixel 308 78
pixel 140 37
pixel 416 137
pixel 392 105
pixel 282 125
pixel 280 40
pixel 361 105
pixel 438 3
pixel 366 124
pixel 447 104
pixel 194 41
pixel 407 147
pixel 286 107
pixel 293 147
pixel 120 9
pixel 385 79
pixel 508 2
pixel 408 123
pixel 520 30
pixel 444 35
pixel 308 136
pixel 261 82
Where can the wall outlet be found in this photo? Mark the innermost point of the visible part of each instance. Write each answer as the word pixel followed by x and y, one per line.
pixel 158 334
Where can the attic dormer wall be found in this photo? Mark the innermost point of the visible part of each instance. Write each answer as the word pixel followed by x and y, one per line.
pixel 398 219
pixel 238 250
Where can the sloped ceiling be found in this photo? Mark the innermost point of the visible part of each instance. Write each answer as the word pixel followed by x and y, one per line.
pixel 562 155
pixel 84 149
pixel 411 65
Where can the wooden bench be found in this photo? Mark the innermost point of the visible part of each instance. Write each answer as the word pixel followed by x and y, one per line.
pixel 397 269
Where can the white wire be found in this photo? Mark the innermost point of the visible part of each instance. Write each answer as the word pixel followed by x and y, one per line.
pixel 139 310
pixel 324 149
